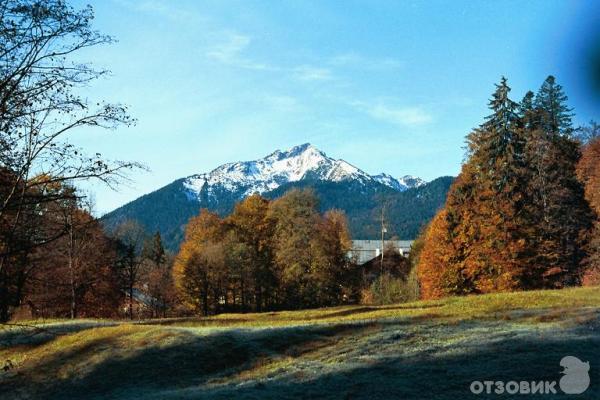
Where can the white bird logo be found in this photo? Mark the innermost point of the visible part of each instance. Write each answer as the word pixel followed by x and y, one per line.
pixel 576 377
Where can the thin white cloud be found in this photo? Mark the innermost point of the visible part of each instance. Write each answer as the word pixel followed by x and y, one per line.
pixel 281 102
pixel 309 73
pixel 356 60
pixel 406 116
pixel 229 49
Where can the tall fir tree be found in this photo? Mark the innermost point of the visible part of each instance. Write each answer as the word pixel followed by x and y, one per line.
pixel 556 117
pixel 560 216
pixel 475 243
pixel 497 165
pixel 516 216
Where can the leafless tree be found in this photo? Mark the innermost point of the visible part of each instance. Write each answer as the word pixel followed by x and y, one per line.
pixel 40 105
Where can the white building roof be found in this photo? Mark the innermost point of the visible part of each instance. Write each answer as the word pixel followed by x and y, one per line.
pixel 365 250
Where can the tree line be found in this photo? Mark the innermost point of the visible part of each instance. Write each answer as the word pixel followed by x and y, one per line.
pixel 521 213
pixel 89 273
pixel 57 260
pixel 266 255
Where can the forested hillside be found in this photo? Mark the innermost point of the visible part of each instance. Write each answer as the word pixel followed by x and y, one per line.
pixel 168 209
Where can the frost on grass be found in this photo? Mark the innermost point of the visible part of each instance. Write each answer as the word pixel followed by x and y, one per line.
pixel 412 351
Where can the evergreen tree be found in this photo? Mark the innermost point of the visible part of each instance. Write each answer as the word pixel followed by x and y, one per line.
pixel 498 175
pixel 559 215
pixel 154 251
pixel 555 115
pixel 515 217
pixel 493 139
pixel 526 111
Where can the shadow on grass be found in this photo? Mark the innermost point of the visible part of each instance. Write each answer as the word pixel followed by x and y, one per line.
pixel 444 376
pixel 199 322
pixel 220 322
pixel 183 370
pixel 190 361
pixel 36 335
pixel 367 309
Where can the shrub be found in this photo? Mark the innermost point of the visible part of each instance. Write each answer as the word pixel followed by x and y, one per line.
pixel 388 289
pixel 591 277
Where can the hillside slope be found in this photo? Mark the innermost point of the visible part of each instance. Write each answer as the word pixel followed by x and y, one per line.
pixel 409 351
pixel 168 209
pixel 337 183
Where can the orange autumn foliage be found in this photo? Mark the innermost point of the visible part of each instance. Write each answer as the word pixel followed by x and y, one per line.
pixel 434 259
pixel 515 218
pixel 588 172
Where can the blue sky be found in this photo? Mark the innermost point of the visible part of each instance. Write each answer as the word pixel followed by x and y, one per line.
pixel 388 86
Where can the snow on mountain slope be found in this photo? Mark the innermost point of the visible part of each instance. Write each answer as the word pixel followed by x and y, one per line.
pixel 406 182
pixel 281 167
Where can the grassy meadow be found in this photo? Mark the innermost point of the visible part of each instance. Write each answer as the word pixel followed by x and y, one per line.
pixel 420 350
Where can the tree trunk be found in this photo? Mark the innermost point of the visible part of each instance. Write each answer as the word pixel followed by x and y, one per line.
pixel 4 314
pixel 205 303
pixel 71 266
pixel 258 295
pixel 217 301
pixel 243 295
pixel 4 301
pixel 131 302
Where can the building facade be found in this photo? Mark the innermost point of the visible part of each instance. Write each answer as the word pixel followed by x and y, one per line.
pixel 365 250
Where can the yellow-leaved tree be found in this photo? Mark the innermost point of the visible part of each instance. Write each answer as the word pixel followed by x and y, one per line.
pixel 199 268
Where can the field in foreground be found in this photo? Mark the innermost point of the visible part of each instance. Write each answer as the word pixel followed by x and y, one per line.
pixel 421 350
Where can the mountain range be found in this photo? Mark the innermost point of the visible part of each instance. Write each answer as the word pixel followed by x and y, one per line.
pixel 409 201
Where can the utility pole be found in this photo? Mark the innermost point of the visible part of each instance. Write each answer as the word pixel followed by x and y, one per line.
pixel 383 231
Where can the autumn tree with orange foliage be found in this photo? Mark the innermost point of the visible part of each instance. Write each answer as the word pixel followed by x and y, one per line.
pixel 200 262
pixel 253 231
pixel 310 252
pixel 435 263
pixel 282 254
pixel 515 218
pixel 75 276
pixel 470 244
pixel 588 172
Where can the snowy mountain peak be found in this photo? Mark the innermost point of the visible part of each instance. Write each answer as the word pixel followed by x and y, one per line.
pixel 410 181
pixel 301 162
pixel 406 182
pixel 296 151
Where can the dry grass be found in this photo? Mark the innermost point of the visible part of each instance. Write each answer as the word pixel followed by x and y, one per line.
pixel 413 350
